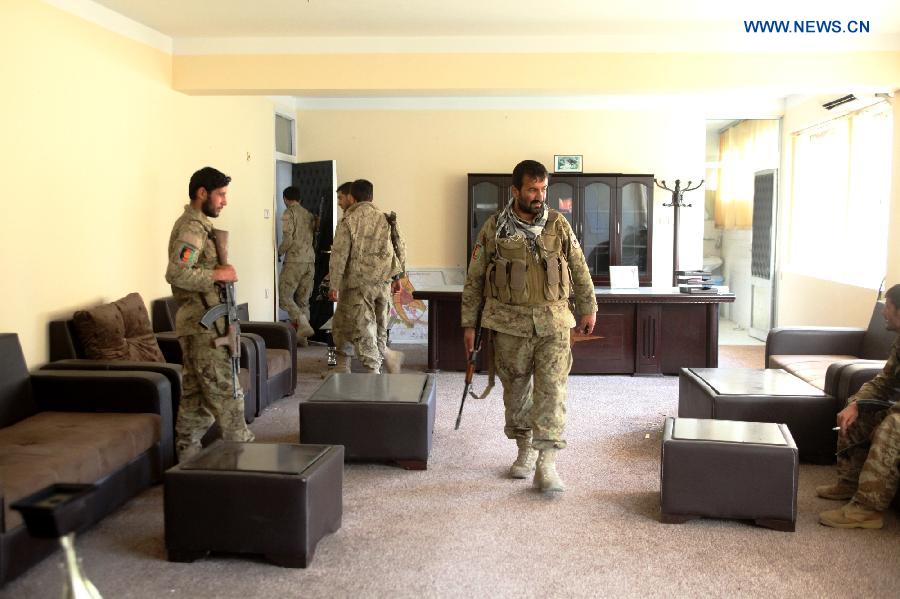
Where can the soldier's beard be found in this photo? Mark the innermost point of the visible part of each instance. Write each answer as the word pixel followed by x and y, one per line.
pixel 527 207
pixel 208 209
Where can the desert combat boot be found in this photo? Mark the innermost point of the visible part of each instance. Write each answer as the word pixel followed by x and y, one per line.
pixel 393 360
pixel 342 364
pixel 524 464
pixel 852 515
pixel 840 491
pixel 545 477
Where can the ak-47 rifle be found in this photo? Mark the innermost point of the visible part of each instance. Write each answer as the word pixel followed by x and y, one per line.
pixel 227 308
pixel 470 368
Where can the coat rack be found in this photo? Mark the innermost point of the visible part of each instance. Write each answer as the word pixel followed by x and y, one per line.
pixel 677 203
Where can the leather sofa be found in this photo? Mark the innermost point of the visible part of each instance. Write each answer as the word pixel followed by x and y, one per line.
pixel 68 351
pixel 275 344
pixel 111 429
pixel 819 355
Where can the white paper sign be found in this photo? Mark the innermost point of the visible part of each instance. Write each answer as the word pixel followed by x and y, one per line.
pixel 623 277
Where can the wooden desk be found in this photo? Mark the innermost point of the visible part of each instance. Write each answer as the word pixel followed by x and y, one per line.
pixel 646 331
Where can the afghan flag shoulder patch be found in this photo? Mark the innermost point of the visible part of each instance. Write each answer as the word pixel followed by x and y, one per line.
pixel 475 251
pixel 187 254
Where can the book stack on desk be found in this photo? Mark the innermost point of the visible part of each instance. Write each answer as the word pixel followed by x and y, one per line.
pixel 696 282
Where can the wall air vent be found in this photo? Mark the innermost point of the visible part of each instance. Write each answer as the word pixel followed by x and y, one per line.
pixel 831 104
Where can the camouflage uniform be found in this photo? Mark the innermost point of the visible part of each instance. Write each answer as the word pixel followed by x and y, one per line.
pixel 874 470
pixel 206 375
pixel 296 280
pixel 526 304
pixel 398 267
pixel 361 266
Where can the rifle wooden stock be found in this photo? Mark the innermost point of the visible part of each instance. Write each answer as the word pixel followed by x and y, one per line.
pixel 220 239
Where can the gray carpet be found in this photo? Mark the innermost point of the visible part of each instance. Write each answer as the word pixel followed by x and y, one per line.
pixel 462 529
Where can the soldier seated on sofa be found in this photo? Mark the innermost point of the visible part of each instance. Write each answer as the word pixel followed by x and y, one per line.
pixel 868 455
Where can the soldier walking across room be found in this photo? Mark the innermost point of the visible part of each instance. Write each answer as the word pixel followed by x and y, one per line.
pixel 868 452
pixel 210 393
pixel 363 270
pixel 298 228
pixel 525 265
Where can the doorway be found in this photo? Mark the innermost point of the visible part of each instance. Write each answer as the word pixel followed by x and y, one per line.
pixel 742 160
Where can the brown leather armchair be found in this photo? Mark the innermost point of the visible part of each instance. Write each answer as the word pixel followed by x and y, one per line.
pixel 275 348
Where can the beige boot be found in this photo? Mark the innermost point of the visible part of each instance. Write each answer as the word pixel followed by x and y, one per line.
pixel 545 477
pixel 524 464
pixel 839 491
pixel 393 361
pixel 342 365
pixel 304 329
pixel 852 515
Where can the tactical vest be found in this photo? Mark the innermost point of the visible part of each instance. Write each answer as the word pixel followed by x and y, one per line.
pixel 520 277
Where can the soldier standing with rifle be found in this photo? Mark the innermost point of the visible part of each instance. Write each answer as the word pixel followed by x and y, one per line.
pixel 210 391
pixel 523 262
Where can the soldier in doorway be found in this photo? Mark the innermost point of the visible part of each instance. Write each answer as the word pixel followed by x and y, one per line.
pixel 298 227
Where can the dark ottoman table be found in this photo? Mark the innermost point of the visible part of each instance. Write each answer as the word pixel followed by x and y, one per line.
pixel 275 499
pixel 376 417
pixel 728 469
pixel 763 395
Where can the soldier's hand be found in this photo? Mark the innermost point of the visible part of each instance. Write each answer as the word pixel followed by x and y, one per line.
pixel 847 416
pixel 469 340
pixel 225 273
pixel 333 295
pixel 586 323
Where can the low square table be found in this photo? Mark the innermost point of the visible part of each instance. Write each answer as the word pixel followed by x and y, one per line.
pixel 728 469
pixel 763 395
pixel 275 499
pixel 376 417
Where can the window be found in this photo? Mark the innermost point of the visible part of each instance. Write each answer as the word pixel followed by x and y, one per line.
pixel 840 193
pixel 284 135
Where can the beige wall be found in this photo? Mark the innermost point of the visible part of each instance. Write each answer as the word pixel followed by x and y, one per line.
pixel 804 300
pixel 473 73
pixel 418 161
pixel 96 157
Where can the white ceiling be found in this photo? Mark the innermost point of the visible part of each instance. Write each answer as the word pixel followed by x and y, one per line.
pixel 524 20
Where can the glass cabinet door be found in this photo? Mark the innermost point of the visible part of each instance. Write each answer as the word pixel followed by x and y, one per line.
pixel 486 197
pixel 635 224
pixel 597 204
pixel 561 197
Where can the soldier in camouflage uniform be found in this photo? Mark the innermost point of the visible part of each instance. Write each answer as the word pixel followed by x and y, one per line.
pixel 525 265
pixel 193 271
pixel 298 226
pixel 363 262
pixel 869 442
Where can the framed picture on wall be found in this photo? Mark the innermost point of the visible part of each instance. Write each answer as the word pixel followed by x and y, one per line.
pixel 567 163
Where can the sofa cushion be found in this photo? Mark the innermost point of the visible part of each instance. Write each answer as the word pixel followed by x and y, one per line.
pixel 811 369
pixel 118 331
pixel 68 447
pixel 277 360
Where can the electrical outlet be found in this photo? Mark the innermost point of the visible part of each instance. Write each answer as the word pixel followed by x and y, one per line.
pixel 266 293
pixel 266 213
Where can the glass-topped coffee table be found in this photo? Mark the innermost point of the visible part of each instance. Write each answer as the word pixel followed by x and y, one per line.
pixel 275 499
